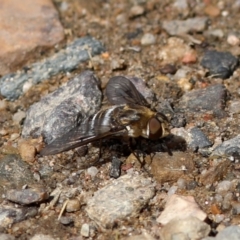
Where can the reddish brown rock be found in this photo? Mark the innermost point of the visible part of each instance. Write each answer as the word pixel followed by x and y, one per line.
pixel 25 28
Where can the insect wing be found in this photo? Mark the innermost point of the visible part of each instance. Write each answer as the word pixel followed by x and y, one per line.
pixel 120 90
pixel 92 130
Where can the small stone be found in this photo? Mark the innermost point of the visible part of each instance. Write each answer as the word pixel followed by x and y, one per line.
pixel 178 27
pixel 85 230
pixel 216 33
pixel 189 57
pixel 235 208
pixel 168 69
pixel 181 182
pixel 92 171
pixel 229 147
pixel 148 39
pixel 3 105
pixel 27 196
pixel 73 205
pixel 172 190
pixel 234 106
pixel 118 64
pixel 212 10
pixel 66 220
pixel 115 170
pixel 185 228
pixel 136 11
pixel 180 207
pixel 18 117
pixel 223 187
pixel 212 98
pixel 233 40
pixel 219 64
pixel 226 204
pixel 14 136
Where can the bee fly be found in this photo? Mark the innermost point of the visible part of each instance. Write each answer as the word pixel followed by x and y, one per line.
pixel 129 116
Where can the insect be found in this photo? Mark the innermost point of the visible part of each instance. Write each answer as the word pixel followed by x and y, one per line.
pixel 129 116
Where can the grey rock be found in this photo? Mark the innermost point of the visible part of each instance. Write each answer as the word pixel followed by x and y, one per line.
pixel 230 147
pixel 11 85
pixel 185 229
pixel 231 232
pixel 85 230
pixel 198 139
pixel 219 64
pixel 212 98
pixel 10 214
pixel 122 198
pixel 14 173
pixel 178 27
pixel 60 111
pixel 27 196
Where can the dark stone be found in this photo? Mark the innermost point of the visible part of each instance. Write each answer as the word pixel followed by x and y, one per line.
pixel 59 112
pixel 168 69
pixel 199 139
pixel 212 98
pixel 115 171
pixel 219 64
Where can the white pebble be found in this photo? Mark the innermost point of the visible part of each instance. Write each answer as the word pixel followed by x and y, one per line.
pixel 148 39
pixel 92 171
pixel 85 230
pixel 233 40
pixel 26 86
pixel 172 190
pixel 136 11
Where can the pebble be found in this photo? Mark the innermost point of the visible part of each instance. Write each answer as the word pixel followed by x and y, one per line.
pixel 92 171
pixel 27 196
pixel 73 205
pixel 166 168
pixel 198 139
pixel 123 198
pixel 181 182
pixel 179 27
pixel 115 170
pixel 229 147
pixel 233 40
pixel 3 105
pixel 85 230
pixel 66 60
pixel 148 39
pixel 18 117
pixel 234 106
pixel 30 36
pixel 235 208
pixel 180 207
pixel 11 214
pixel 11 173
pixel 4 236
pixel 184 229
pixel 219 64
pixel 136 11
pixel 223 187
pixel 212 98
pixel 28 148
pixel 66 220
pixel 216 33
pixel 60 111
pixel 172 190
pixel 180 5
pixel 227 201
pixel 143 236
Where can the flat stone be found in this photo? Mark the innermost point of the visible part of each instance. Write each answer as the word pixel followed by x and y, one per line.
pixel 166 168
pixel 14 85
pixel 180 207
pixel 178 27
pixel 212 98
pixel 25 28
pixel 121 199
pixel 4 236
pixel 184 229
pixel 60 111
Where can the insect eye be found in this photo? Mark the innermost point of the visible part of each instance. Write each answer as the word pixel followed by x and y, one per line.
pixel 155 128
